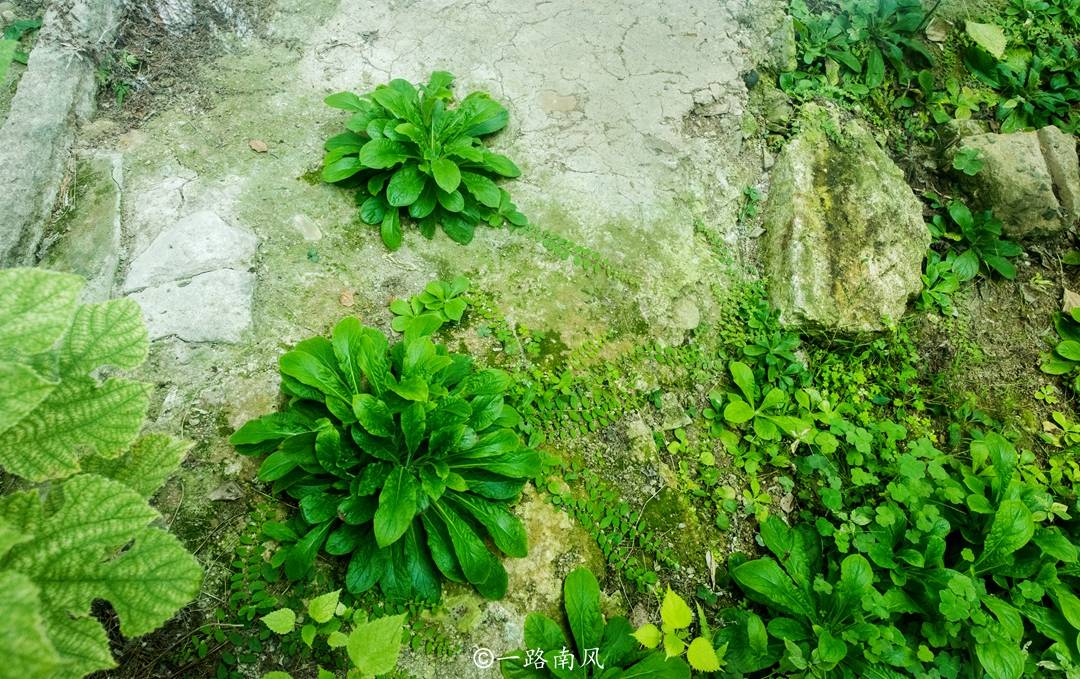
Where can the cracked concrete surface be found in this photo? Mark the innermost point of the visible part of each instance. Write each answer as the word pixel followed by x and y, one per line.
pixel 608 101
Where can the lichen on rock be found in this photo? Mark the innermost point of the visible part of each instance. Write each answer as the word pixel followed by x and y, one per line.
pixel 845 238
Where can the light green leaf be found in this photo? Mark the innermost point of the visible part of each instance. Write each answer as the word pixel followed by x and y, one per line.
pixel 79 417
pixel 21 390
pixel 322 608
pixel 648 635
pixel 674 611
pixel 702 656
pixel 374 646
pixel 673 645
pixel 276 674
pixel 36 307
pixel 739 411
pixel 988 36
pixel 482 188
pixel 111 333
pixel 281 621
pixel 145 466
pixel 744 379
pixel 7 55
pixel 24 641
pixel 97 544
pixel 379 154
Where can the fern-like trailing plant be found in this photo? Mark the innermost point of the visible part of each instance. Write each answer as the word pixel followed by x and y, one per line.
pixel 88 534
pixel 401 457
pixel 411 153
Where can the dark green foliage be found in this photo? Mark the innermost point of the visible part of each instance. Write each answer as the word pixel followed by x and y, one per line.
pixel 845 48
pixel 400 457
pixel 411 154
pixel 617 653
pixel 1040 89
pixel 1064 359
pixel 980 245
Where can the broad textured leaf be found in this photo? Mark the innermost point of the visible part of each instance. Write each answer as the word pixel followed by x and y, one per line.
pixel 24 642
pixel 379 154
pixel 373 415
pixel 500 164
pixel 743 377
pixel 344 100
pixel 374 646
pixel 397 506
pixel 987 36
pixel 145 466
pixel 36 307
pixel 78 418
pixel 366 566
pixel 479 566
pixel 581 594
pixel 656 666
pixel 373 210
pixel 442 550
pixel 390 229
pixel 97 544
pixel 314 363
pixel 482 188
pixel 413 425
pixel 111 333
pixel 272 427
pixel 302 555
pixel 342 168
pixel 21 390
pixel 1069 349
pixel 648 635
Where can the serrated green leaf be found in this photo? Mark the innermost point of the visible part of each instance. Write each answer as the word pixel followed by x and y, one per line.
pixel 648 635
pixel 78 418
pixel 96 543
pixel 36 307
pixel 674 611
pixel 24 640
pixel 145 466
pixel 22 389
pixel 374 646
pixel 111 333
pixel 322 608
pixel 702 656
pixel 281 621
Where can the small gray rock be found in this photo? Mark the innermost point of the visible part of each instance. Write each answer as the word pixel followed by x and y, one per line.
pixel 196 244
pixel 211 307
pixel 685 314
pixel 1015 183
pixel 1059 151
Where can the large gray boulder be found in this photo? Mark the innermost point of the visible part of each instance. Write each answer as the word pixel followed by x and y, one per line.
pixel 845 237
pixel 1030 180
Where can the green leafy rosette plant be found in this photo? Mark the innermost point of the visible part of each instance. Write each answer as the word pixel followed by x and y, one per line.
pixel 411 153
pixel 401 457
pixel 1064 359
pixel 596 648
pixel 87 534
